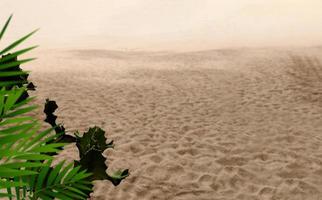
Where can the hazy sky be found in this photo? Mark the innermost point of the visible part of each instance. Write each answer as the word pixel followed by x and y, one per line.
pixel 166 24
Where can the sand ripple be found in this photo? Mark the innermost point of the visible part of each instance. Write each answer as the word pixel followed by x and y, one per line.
pixel 206 125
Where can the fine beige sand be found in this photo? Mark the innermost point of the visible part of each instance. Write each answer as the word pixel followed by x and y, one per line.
pixel 224 124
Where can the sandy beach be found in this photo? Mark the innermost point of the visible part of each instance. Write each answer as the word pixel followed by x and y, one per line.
pixel 205 100
pixel 210 125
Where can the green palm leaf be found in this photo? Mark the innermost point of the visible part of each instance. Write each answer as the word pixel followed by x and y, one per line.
pixel 16 43
pixel 15 134
pixel 15 55
pixel 17 120
pixel 5 27
pixel 4 65
pixel 61 183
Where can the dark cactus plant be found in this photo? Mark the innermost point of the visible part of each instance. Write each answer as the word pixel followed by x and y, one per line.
pixel 90 146
pixel 50 107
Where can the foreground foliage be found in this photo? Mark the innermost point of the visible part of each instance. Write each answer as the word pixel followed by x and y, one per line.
pixel 26 152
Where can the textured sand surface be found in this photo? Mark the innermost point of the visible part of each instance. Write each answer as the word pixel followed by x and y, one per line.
pixel 225 124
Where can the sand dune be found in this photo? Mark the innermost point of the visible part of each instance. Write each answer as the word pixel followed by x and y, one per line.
pixel 224 124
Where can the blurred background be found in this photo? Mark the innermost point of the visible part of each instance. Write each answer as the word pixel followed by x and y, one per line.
pixel 175 25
